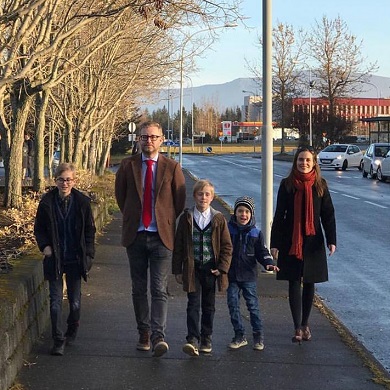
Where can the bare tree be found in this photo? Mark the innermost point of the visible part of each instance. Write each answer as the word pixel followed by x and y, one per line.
pixel 288 46
pixel 339 68
pixel 48 44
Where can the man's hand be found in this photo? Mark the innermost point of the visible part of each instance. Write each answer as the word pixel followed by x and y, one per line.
pixel 179 278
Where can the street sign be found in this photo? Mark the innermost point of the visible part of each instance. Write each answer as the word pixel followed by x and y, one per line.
pixel 221 138
pixel 132 127
pixel 209 149
pixel 131 137
pixel 202 133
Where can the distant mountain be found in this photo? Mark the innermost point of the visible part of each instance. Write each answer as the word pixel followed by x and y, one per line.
pixel 231 95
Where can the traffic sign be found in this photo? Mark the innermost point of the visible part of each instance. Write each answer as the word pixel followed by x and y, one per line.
pixel 209 149
pixel 132 127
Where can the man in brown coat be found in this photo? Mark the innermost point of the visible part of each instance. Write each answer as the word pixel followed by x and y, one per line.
pixel 148 235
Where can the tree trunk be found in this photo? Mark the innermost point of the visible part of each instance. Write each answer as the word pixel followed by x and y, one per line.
pixel 21 103
pixel 41 103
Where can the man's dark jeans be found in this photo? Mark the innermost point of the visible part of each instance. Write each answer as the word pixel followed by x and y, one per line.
pixel 148 251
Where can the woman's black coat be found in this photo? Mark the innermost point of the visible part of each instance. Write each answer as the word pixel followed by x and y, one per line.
pixel 313 268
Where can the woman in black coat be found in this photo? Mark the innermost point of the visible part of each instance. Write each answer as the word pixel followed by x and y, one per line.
pixel 304 208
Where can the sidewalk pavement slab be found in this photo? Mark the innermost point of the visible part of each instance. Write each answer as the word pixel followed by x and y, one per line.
pixel 104 354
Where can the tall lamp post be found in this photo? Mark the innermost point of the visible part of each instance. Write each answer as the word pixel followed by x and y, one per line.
pixel 311 85
pixel 189 37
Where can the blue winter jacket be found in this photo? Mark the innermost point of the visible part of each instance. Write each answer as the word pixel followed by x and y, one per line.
pixel 248 249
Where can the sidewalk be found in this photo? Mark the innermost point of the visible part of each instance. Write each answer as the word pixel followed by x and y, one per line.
pixel 104 355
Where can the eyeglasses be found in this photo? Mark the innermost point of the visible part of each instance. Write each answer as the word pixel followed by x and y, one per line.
pixel 62 180
pixel 152 137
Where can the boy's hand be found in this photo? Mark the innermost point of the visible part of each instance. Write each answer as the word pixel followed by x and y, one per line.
pixel 179 278
pixel 215 272
pixel 272 268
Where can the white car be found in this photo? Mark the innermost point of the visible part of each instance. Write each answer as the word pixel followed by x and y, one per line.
pixel 372 159
pixel 340 156
pixel 383 171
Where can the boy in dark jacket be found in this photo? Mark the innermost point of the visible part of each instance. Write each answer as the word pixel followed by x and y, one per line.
pixel 65 233
pixel 248 249
pixel 201 259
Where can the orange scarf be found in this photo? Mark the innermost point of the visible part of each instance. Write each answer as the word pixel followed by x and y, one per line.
pixel 303 183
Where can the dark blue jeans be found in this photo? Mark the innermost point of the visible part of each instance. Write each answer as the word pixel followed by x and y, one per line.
pixel 249 292
pixel 148 252
pixel 203 297
pixel 73 285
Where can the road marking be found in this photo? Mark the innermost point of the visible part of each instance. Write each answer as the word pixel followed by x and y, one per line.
pixel 350 196
pixel 375 204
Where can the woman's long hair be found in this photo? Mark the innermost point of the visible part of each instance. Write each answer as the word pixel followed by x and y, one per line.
pixel 319 183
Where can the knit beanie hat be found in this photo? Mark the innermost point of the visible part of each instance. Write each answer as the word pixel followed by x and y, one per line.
pixel 246 201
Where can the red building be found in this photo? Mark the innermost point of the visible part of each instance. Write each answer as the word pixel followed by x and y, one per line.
pixel 353 110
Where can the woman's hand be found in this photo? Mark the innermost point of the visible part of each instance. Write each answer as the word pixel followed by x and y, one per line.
pixel 47 251
pixel 332 249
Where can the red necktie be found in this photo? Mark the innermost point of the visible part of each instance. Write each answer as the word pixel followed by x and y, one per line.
pixel 147 207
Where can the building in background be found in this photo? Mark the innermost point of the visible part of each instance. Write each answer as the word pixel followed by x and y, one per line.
pixel 252 109
pixel 353 110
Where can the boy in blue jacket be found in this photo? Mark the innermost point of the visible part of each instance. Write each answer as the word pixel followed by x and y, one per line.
pixel 248 249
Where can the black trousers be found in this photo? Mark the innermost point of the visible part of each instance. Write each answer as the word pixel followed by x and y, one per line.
pixel 201 305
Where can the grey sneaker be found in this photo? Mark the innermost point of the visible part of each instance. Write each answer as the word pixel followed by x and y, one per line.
pixel 160 347
pixel 205 344
pixel 238 342
pixel 191 348
pixel 258 346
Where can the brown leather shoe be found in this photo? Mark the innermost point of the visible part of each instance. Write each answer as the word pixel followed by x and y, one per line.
pixel 143 342
pixel 58 348
pixel 297 338
pixel 306 334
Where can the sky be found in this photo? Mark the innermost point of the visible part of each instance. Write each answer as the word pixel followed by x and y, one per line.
pixel 226 61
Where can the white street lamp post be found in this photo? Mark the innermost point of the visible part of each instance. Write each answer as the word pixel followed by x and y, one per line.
pixel 310 117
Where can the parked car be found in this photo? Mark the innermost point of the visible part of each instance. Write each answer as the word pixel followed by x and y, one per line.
pixel 383 171
pixel 340 156
pixel 373 157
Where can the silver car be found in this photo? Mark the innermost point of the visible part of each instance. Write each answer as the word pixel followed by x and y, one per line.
pixel 383 171
pixel 372 159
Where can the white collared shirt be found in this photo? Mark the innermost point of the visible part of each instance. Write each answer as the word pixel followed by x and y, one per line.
pixel 202 219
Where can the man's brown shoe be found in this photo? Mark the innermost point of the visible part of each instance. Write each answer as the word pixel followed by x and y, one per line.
pixel 143 342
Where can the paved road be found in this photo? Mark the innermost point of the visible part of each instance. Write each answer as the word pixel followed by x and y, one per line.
pixel 359 286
